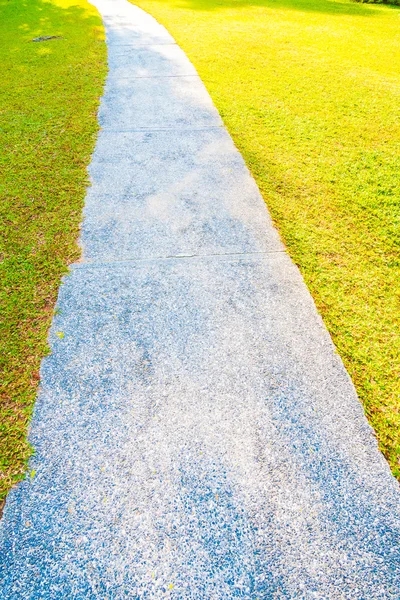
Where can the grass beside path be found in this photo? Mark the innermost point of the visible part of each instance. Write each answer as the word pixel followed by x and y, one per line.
pixel 310 92
pixel 48 102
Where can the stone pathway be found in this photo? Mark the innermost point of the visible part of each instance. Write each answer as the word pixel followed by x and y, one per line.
pixel 196 434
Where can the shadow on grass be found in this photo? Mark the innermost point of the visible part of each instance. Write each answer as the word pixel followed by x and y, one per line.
pixel 329 7
pixel 40 18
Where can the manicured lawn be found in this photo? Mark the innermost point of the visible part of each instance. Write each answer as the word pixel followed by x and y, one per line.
pixel 48 101
pixel 310 91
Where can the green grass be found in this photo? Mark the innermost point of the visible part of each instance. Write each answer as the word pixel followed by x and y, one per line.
pixel 395 2
pixel 48 102
pixel 310 92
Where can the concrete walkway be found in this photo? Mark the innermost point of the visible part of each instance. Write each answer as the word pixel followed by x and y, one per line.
pixel 196 434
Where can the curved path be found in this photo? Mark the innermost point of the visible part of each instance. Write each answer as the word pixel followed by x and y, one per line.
pixel 196 434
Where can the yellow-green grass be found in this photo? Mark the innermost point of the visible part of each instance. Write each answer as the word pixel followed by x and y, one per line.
pixel 48 102
pixel 310 92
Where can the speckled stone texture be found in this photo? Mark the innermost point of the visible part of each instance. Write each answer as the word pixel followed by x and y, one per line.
pixel 196 434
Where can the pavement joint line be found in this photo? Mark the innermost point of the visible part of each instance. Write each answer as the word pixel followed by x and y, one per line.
pixel 141 45
pixel 112 45
pixel 154 77
pixel 137 46
pixel 89 263
pixel 169 128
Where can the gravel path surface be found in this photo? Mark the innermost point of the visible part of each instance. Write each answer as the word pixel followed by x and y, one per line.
pixel 196 434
